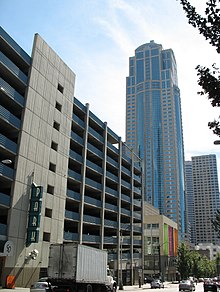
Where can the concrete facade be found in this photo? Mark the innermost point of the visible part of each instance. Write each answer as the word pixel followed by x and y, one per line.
pixel 92 192
pixel 209 250
pixel 160 245
pixel 205 197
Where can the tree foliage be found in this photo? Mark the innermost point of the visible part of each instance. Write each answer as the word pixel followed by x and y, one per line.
pixel 208 26
pixel 183 261
pixel 192 263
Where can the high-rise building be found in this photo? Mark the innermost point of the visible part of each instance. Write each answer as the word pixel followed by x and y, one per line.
pixel 154 128
pixel 64 175
pixel 189 195
pixel 206 197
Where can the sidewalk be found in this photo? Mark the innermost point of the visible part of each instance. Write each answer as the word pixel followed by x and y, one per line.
pixel 17 289
pixel 126 288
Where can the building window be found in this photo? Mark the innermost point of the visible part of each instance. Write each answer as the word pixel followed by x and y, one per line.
pixel 58 106
pixel 54 145
pixel 46 236
pixel 50 189
pixel 48 212
pixel 56 125
pixel 52 167
pixel 60 88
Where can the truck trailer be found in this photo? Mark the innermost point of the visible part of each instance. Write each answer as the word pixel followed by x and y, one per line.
pixel 75 267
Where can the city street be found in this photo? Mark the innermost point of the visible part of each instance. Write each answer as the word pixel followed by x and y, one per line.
pixel 169 287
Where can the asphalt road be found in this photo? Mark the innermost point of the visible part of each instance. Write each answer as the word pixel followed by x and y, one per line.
pixel 168 287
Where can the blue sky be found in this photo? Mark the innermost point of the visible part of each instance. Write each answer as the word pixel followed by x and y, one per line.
pixel 95 38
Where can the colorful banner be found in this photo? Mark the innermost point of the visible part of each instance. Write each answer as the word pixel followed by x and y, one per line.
pixel 170 235
pixel 175 242
pixel 166 239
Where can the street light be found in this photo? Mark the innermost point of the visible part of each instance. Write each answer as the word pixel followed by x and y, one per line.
pixel 6 161
pixel 160 268
pixel 31 256
pixel 120 247
pixel 160 271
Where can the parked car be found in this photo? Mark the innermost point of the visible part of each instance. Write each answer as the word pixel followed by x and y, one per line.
pixel 156 284
pixel 187 285
pixel 210 286
pixel 148 280
pixel 41 285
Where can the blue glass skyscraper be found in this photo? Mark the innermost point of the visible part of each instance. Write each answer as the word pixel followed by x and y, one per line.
pixel 154 127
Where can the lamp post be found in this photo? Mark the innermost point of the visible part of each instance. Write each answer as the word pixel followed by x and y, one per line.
pixel 160 271
pixel 31 256
pixel 6 161
pixel 159 255
pixel 120 247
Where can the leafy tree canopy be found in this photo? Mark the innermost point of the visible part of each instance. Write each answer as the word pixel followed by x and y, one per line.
pixel 192 263
pixel 209 26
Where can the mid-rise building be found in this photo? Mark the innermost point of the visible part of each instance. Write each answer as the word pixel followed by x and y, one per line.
pixel 210 250
pixel 154 128
pixel 160 245
pixel 64 175
pixel 206 197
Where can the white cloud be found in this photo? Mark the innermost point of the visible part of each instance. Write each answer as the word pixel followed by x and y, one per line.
pixel 96 39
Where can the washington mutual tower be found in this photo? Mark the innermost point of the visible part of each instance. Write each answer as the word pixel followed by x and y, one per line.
pixel 154 128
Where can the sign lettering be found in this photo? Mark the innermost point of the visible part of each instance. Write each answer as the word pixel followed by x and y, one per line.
pixel 34 214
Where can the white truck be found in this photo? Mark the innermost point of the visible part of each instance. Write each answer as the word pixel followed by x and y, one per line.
pixel 79 268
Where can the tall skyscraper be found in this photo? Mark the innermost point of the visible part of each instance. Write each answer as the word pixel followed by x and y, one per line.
pixel 154 127
pixel 206 196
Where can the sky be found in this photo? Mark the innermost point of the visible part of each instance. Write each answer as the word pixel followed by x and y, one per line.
pixel 95 38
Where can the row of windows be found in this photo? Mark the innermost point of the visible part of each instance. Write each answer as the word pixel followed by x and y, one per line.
pixel 54 145
pixel 153 226
pixel 147 53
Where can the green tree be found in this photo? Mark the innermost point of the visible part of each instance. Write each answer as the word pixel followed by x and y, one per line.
pixel 217 261
pixel 191 263
pixel 209 26
pixel 183 261
pixel 195 264
pixel 209 267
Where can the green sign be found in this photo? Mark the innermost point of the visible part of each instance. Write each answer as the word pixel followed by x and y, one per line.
pixel 34 221
pixel 36 192
pixel 32 236
pixel 35 207
pixel 34 214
